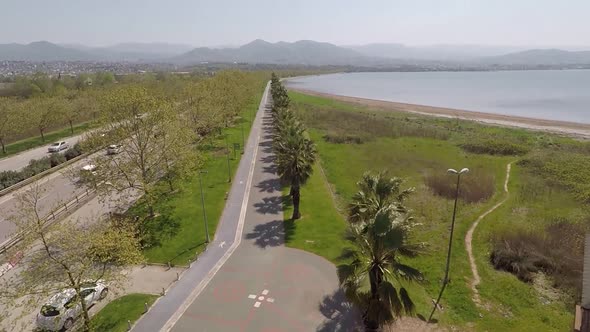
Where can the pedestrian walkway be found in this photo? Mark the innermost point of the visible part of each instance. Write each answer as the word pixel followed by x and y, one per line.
pixel 263 285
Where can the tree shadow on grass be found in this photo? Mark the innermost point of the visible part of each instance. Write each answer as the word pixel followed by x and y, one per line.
pixel 341 315
pixel 159 228
pixel 192 248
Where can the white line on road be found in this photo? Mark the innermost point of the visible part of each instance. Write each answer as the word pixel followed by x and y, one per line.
pixel 222 244
pixel 238 238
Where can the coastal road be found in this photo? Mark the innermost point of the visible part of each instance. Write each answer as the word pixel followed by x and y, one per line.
pixel 247 280
pixel 20 160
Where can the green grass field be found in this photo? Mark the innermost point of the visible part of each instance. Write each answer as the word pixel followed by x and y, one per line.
pixel 419 146
pixel 180 226
pixel 33 142
pixel 114 316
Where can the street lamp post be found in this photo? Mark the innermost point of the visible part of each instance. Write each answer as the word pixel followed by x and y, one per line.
pixel 446 279
pixel 227 155
pixel 243 139
pixel 203 204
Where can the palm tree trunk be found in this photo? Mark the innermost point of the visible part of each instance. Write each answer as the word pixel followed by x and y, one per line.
pixel 296 195
pixel 375 279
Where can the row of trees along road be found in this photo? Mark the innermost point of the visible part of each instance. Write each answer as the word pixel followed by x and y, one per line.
pixel 160 135
pixel 295 153
pixel 37 104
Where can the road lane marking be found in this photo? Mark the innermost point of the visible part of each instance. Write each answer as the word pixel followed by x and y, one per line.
pixel 237 239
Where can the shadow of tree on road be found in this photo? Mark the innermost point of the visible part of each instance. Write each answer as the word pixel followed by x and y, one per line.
pixel 269 205
pixel 341 315
pixel 271 234
pixel 269 186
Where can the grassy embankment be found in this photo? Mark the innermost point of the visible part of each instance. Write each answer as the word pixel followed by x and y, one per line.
pixel 36 141
pixel 114 316
pixel 179 229
pixel 415 148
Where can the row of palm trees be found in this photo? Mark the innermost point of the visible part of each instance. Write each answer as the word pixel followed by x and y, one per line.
pixel 379 224
pixel 295 152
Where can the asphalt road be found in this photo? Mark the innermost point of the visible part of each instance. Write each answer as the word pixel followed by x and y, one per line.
pixel 58 188
pixel 248 280
pixel 18 161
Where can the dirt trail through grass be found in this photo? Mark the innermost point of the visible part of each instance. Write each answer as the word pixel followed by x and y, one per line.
pixel 469 238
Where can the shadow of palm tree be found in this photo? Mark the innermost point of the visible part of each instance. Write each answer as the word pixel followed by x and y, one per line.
pixel 269 205
pixel 340 314
pixel 269 186
pixel 271 234
pixel 268 159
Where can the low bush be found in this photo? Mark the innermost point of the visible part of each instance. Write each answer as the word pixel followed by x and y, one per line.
pixel 9 178
pixel 73 152
pixel 568 169
pixel 36 166
pixel 495 147
pixel 477 187
pixel 557 252
pixel 56 159
pixel 367 124
pixel 344 139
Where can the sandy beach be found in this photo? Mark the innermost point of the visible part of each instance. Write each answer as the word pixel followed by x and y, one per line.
pixel 574 129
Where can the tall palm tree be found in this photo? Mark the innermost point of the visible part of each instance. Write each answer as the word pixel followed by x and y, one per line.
pixel 377 191
pixel 379 232
pixel 296 154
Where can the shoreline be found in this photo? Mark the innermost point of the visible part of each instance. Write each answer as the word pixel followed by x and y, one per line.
pixel 578 130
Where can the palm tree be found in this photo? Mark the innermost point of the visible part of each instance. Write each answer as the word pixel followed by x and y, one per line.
pixel 379 232
pixel 377 191
pixel 296 154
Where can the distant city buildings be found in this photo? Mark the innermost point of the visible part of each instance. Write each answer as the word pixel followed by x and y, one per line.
pixel 73 68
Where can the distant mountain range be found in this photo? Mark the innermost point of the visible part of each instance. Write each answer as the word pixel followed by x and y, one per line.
pixel 304 52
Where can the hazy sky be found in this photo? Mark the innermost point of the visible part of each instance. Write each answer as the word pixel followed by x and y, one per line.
pixel 220 22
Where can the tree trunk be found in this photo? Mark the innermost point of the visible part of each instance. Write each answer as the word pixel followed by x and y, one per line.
pixel 296 195
pixel 3 146
pixel 375 279
pixel 71 126
pixel 42 135
pixel 86 327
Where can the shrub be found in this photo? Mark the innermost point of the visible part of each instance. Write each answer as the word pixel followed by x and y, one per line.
pixel 495 147
pixel 73 152
pixel 344 139
pixel 557 252
pixel 56 159
pixel 475 187
pixel 568 169
pixel 9 178
pixel 36 166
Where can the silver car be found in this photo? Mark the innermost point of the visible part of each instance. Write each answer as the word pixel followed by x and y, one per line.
pixel 58 146
pixel 63 308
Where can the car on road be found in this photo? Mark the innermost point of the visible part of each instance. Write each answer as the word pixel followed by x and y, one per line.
pixel 114 149
pixel 62 309
pixel 58 146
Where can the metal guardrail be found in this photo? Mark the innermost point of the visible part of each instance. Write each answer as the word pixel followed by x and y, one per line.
pixel 52 217
pixel 36 177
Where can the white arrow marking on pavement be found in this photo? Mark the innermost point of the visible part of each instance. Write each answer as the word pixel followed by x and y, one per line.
pixel 221 244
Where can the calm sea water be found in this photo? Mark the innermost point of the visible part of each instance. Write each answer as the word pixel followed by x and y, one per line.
pixel 543 94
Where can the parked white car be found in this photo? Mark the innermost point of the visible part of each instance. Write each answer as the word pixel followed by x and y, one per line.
pixel 58 146
pixel 63 308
